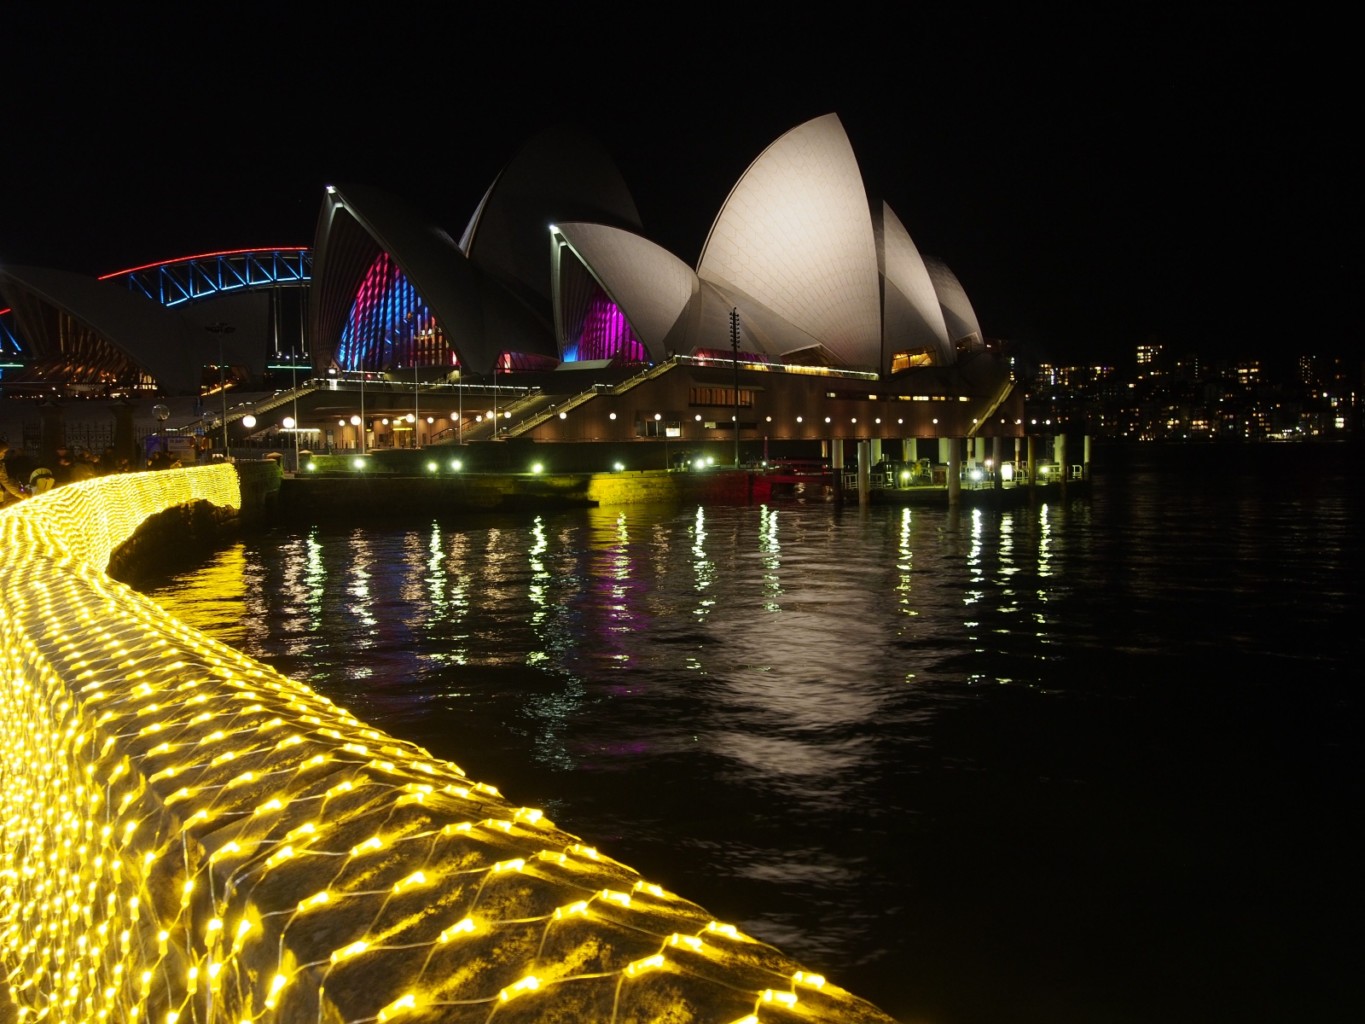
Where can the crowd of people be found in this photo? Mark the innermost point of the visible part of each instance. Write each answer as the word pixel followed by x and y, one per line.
pixel 22 476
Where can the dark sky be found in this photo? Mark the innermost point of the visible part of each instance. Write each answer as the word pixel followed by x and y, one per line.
pixel 1093 179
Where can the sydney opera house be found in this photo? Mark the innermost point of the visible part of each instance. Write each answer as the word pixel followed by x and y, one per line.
pixel 810 318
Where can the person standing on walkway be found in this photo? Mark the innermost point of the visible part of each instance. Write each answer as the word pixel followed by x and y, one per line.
pixel 10 490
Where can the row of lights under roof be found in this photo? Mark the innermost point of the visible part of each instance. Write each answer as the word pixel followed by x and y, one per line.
pixel 360 462
pixel 289 423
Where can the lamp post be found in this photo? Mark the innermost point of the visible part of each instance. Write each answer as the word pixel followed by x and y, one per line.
pixel 416 385
pixel 293 425
pixel 294 373
pixel 361 424
pixel 734 365
pixel 219 329
pixel 161 413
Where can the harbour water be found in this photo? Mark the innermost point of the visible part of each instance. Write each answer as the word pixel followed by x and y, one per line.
pixel 1094 760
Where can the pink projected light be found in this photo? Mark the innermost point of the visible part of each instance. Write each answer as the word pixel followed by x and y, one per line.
pixel 607 334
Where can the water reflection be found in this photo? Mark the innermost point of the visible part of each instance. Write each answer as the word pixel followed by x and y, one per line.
pixel 793 714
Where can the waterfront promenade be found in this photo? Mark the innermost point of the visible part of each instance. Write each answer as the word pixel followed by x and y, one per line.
pixel 190 835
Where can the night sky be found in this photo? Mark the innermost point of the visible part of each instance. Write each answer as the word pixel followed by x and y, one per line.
pixel 1093 179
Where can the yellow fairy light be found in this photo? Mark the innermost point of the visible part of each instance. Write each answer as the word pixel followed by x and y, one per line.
pixel 414 879
pixel 464 927
pixel 527 984
pixel 226 850
pixel 773 996
pixel 399 1005
pixel 623 898
pixel 346 952
pixel 649 963
pixel 806 978
pixel 277 983
pixel 279 856
pixel 373 843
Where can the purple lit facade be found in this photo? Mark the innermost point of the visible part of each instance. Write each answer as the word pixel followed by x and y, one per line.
pixel 606 334
pixel 390 326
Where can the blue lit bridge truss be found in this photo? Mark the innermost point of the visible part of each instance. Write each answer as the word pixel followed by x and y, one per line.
pixel 9 341
pixel 202 277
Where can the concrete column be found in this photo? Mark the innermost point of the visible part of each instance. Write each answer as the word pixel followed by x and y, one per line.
pixel 945 450
pixel 1031 468
pixel 997 449
pixel 954 470
pixel 907 449
pixel 836 467
pixel 979 450
pixel 876 450
pixel 864 472
pixel 1085 457
pixel 125 438
pixel 1060 448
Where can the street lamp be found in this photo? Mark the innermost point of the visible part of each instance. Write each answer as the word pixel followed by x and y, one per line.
pixel 294 372
pixel 292 424
pixel 219 329
pixel 734 365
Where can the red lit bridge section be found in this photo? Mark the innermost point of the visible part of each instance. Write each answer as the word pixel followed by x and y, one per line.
pixel 193 278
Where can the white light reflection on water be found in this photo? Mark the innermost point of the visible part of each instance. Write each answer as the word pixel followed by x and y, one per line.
pixel 771 549
pixel 536 589
pixel 454 612
pixel 314 581
pixel 436 572
pixel 905 564
pixel 703 569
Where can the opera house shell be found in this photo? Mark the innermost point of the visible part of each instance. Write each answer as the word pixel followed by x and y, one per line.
pixel 809 308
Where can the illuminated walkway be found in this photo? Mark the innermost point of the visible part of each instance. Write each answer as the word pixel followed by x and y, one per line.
pixel 190 836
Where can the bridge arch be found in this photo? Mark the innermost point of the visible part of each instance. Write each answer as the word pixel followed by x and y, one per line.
pixel 196 278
